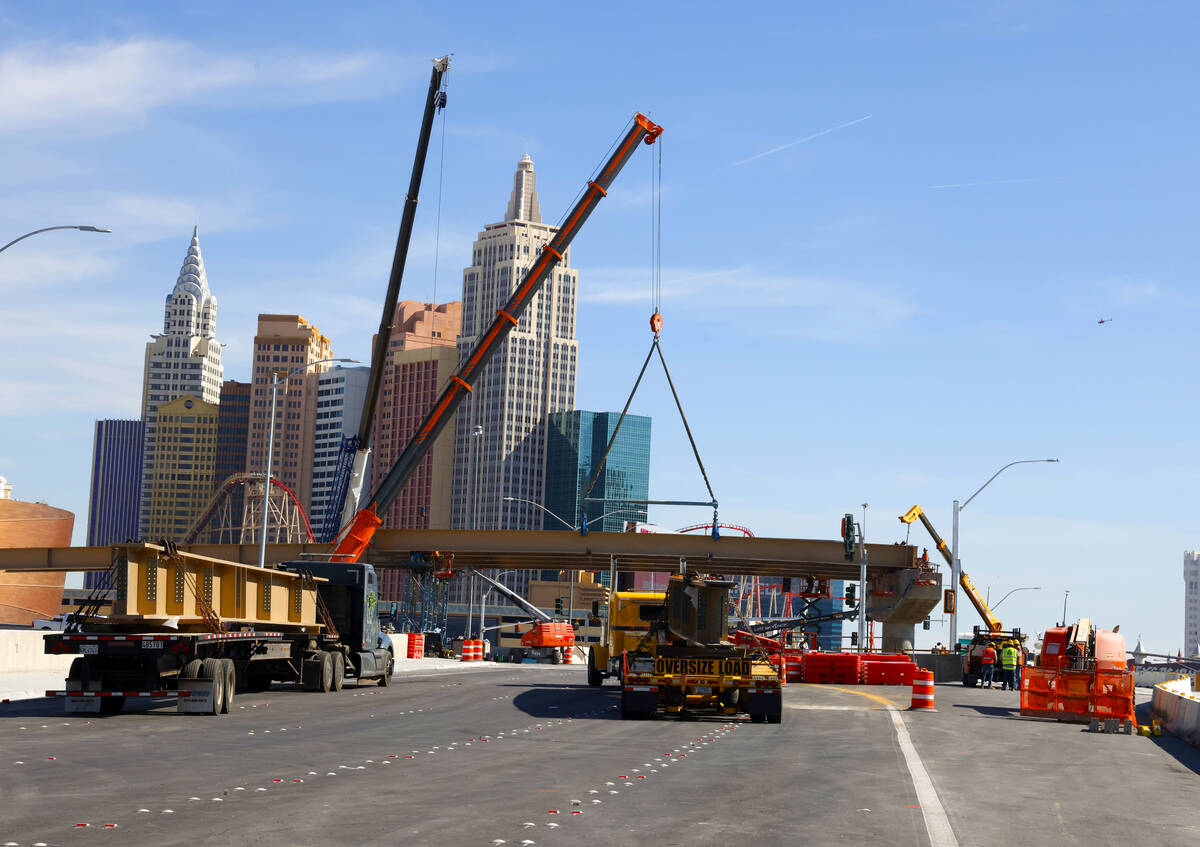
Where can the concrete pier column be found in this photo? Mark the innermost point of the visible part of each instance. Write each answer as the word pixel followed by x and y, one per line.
pixel 898 636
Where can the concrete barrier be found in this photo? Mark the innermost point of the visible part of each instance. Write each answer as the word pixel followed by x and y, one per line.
pixel 946 667
pixel 22 651
pixel 1177 705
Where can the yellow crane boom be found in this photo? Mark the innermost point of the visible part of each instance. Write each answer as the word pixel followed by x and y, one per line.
pixel 985 612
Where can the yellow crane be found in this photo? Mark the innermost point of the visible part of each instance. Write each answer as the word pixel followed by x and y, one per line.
pixel 985 612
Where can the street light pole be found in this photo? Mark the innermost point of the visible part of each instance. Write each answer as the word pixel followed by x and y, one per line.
pixel 49 228
pixel 1066 594
pixel 262 541
pixel 956 569
pixel 862 583
pixel 477 440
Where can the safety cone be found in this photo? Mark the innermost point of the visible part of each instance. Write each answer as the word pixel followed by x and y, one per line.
pixel 922 692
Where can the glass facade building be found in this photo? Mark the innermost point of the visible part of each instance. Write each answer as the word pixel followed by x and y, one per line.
pixel 574 449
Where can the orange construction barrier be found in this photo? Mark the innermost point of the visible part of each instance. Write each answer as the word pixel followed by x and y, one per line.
pixel 1076 696
pixel 472 650
pixel 922 692
pixel 568 655
pixel 416 646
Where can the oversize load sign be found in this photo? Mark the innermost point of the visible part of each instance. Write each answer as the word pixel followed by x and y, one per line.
pixel 702 667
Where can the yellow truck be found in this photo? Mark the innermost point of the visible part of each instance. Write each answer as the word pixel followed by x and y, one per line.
pixel 670 652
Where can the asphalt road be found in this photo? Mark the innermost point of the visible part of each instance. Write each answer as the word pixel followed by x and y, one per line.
pixel 527 755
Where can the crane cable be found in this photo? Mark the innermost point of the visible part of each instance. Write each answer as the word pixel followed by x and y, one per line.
pixel 655 325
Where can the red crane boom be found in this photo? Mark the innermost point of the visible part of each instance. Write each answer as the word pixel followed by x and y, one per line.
pixel 361 530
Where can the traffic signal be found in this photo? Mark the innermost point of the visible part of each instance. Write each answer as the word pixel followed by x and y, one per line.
pixel 854 639
pixel 925 624
pixel 850 590
pixel 848 536
pixel 558 605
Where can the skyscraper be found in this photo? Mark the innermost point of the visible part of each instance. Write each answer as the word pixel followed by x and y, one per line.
pixel 285 342
pixel 113 508
pixel 185 358
pixel 1191 602
pixel 500 434
pixel 423 356
pixel 576 444
pixel 184 460
pixel 233 427
pixel 340 394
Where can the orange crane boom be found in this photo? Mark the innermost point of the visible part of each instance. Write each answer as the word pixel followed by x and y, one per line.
pixel 361 530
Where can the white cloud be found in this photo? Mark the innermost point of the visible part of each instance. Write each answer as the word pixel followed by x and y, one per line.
pixel 109 87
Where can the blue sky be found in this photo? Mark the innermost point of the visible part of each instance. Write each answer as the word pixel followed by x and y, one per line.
pixel 885 313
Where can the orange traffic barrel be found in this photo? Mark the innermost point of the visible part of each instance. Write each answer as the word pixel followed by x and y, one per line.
pixel 568 655
pixel 472 650
pixel 922 692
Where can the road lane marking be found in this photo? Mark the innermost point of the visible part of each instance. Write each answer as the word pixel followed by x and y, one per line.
pixel 937 824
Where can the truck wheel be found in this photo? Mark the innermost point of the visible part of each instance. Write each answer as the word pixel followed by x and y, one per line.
pixel 625 713
pixel 386 679
pixel 595 679
pixel 339 671
pixel 230 684
pixel 556 656
pixel 79 670
pixel 212 669
pixel 326 680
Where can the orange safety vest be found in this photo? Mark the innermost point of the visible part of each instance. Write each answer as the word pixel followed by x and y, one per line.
pixel 989 656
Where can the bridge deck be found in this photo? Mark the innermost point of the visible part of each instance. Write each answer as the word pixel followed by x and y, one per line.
pixel 531 550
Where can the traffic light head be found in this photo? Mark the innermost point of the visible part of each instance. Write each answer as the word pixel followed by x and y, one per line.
pixel 558 606
pixel 850 592
pixel 848 536
pixel 854 639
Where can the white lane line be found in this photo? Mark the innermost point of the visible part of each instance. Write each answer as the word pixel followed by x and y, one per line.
pixel 936 823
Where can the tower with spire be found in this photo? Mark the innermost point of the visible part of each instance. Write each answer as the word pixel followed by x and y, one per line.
pixel 182 361
pixel 531 376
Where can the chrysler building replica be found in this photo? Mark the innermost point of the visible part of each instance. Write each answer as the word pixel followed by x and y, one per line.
pixel 184 359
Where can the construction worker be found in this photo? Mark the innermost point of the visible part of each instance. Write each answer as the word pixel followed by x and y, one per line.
pixel 988 665
pixel 1008 659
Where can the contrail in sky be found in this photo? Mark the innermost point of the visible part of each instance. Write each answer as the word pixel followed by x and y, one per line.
pixel 987 182
pixel 802 140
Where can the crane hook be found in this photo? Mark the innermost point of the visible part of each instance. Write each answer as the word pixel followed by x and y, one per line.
pixel 656 322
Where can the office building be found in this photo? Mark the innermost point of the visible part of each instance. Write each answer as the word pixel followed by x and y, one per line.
pixel 113 505
pixel 340 393
pixel 422 356
pixel 576 442
pixel 500 435
pixel 285 343
pixel 184 463
pixel 184 359
pixel 233 427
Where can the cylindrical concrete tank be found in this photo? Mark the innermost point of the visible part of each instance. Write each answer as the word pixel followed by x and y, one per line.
pixel 25 596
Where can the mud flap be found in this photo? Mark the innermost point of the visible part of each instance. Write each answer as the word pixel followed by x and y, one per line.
pixel 80 705
pixel 199 699
pixel 764 704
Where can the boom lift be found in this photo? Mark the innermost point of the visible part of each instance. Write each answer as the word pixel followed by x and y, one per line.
pixel 995 632
pixel 549 639
pixel 359 532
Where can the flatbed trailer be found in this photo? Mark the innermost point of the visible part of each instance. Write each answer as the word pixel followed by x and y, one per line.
pixel 726 682
pixel 325 630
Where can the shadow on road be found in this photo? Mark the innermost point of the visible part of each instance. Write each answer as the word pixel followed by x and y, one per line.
pixel 573 701
pixel 991 711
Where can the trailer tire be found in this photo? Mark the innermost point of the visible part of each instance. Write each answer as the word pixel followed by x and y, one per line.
pixel 79 670
pixel 339 671
pixel 191 670
pixel 230 672
pixel 595 679
pixel 556 656
pixel 214 670
pixel 386 679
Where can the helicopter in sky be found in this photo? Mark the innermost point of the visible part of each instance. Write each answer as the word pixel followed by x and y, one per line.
pixel 1104 321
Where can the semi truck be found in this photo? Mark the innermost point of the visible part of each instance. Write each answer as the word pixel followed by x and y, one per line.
pixel 201 629
pixel 671 654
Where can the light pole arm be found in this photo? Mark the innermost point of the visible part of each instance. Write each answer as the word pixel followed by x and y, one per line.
pixel 1026 588
pixel 997 473
pixel 81 228
pixel 540 506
